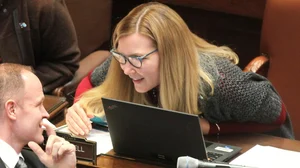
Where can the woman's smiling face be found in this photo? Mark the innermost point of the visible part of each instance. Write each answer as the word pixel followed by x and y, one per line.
pixel 146 77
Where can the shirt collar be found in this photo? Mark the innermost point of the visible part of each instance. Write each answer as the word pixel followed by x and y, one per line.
pixel 9 155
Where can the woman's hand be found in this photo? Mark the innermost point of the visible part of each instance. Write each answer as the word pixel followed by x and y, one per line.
pixel 78 120
pixel 204 126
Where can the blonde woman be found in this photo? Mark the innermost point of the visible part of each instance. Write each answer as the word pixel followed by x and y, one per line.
pixel 158 61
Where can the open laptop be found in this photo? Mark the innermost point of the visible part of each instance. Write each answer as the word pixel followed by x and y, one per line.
pixel 159 135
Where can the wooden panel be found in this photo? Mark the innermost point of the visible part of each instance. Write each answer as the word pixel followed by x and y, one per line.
pixel 55 106
pixel 241 33
pixel 249 8
pixel 92 21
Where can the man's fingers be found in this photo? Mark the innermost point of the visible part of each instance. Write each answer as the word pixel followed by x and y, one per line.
pixel 65 147
pixel 60 148
pixel 38 151
pixel 52 139
pixel 49 129
pixel 55 148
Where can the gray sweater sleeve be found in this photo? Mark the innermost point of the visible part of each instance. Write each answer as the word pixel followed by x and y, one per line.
pixel 240 96
pixel 99 74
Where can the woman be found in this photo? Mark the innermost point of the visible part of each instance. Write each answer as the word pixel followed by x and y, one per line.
pixel 160 62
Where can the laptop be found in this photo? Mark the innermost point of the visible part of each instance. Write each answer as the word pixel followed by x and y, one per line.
pixel 158 135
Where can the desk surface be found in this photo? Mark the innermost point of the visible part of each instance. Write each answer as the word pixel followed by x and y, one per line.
pixel 246 141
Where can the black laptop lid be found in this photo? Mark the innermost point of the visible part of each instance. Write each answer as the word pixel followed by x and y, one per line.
pixel 153 133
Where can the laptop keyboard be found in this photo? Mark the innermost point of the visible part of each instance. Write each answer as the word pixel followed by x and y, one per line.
pixel 207 143
pixel 213 156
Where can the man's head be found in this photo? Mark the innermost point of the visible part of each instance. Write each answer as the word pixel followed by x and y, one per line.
pixel 21 105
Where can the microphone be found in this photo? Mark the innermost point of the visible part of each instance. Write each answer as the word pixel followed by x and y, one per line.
pixel 189 162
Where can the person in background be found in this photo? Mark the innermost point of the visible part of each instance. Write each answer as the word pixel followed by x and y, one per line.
pixel 158 61
pixel 21 114
pixel 39 34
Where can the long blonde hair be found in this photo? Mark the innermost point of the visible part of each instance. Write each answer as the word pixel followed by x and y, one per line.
pixel 178 48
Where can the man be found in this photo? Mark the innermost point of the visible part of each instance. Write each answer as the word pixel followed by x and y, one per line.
pixel 21 114
pixel 40 34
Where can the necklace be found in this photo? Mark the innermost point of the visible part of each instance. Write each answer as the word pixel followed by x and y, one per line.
pixel 153 94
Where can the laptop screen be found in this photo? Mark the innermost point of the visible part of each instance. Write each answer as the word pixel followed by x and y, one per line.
pixel 152 133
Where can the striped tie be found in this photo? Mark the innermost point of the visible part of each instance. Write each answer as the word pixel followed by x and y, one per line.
pixel 21 163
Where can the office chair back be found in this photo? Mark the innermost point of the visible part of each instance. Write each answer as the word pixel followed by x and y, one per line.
pixel 280 41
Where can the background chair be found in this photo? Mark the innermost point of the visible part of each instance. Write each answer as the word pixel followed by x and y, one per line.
pixel 92 21
pixel 279 43
pixel 280 40
pixel 258 65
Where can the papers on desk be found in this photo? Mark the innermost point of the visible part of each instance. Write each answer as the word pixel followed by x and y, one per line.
pixel 102 138
pixel 268 157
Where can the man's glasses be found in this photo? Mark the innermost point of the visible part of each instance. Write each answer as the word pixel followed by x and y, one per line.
pixel 135 61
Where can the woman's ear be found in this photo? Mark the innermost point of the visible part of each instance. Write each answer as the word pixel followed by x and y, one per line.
pixel 10 109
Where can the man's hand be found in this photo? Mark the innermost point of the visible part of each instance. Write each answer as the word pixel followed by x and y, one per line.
pixel 59 152
pixel 78 121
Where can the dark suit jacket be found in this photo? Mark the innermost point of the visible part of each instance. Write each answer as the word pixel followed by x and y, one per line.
pixel 40 34
pixel 31 160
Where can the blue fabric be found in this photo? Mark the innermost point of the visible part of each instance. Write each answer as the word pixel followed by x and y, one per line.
pixel 99 120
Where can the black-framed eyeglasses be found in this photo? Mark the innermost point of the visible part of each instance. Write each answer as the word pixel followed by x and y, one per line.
pixel 135 61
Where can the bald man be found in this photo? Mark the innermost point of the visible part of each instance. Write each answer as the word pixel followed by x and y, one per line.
pixel 21 114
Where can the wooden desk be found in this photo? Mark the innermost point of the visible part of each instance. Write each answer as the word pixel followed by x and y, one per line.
pixel 246 141
pixel 55 106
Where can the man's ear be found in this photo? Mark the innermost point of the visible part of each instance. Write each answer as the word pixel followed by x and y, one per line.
pixel 10 109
